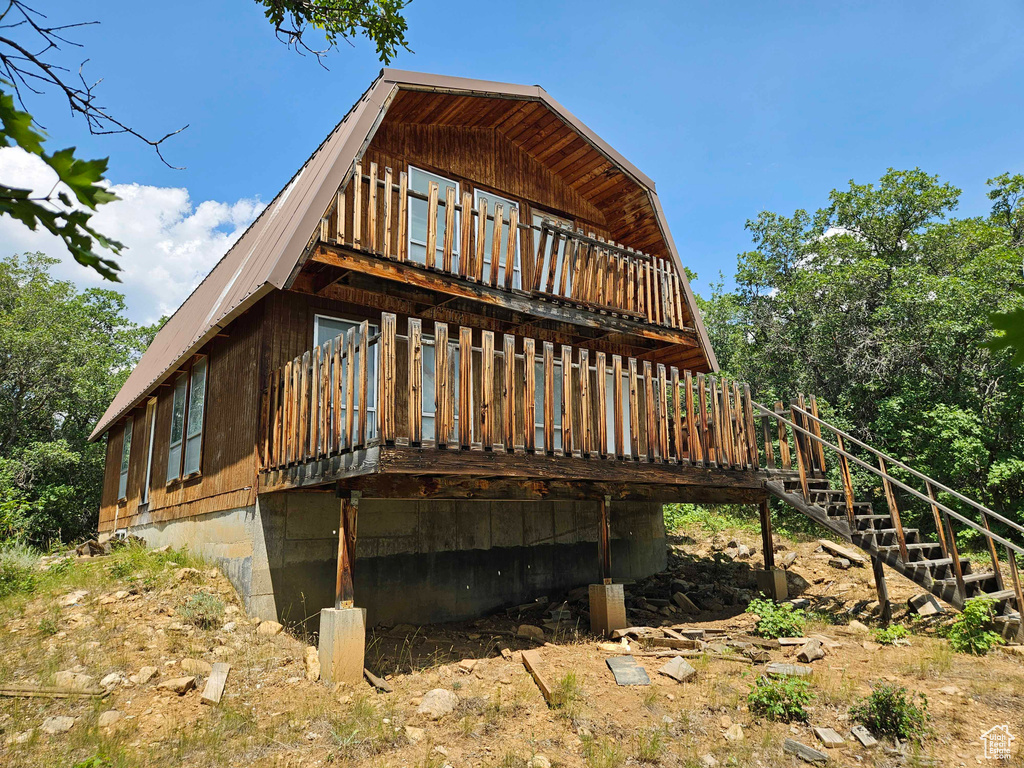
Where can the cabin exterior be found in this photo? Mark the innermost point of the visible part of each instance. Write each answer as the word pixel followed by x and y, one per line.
pixel 455 364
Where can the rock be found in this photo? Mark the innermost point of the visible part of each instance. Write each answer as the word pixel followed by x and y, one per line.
pixel 787 560
pixel 415 735
pixel 73 598
pixel 178 685
pixel 859 627
pixel 530 631
pixel 146 674
pixel 686 605
pixel 779 669
pixel 311 660
pixel 73 680
pixel 108 718
pixel 57 725
pixel 538 761
pixel 734 733
pixel 112 680
pixel 229 627
pixel 196 667
pixel 925 604
pixel 950 690
pixel 863 735
pixel 812 650
pixel 1012 650
pixel 223 651
pixel 829 737
pixel 269 628
pixel 841 563
pixel 709 761
pixel 437 703
pixel 808 754
pixel 468 665
pixel 188 574
pixel 678 669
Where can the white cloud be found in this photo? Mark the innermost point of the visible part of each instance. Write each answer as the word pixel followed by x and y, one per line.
pixel 171 242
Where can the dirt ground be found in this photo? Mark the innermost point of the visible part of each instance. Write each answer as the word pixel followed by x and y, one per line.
pixel 271 715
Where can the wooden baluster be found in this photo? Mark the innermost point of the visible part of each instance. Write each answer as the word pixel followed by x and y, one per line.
pixel 601 400
pixel 600 271
pixel 816 428
pixel 1015 579
pixel 314 419
pixel 939 529
pixel 702 405
pixel 721 456
pixel 387 381
pixel 567 430
pixel 508 392
pixel 443 401
pixel 784 455
pixel 769 449
pixel 481 240
pixel 303 442
pixel 742 440
pixel 954 553
pixel 448 243
pixel 431 253
pixel 325 399
pixel 651 414
pixel 296 427
pixel 631 300
pixel 568 257
pixel 844 470
pixel 364 380
pixel 728 430
pixel 539 259
pixel 801 454
pixel 617 406
pixel 274 424
pixel 649 292
pixel 656 290
pixel 336 396
pixel 465 388
pixel 634 411
pixel 681 448
pixel 530 395
pixel 388 195
pixel 415 377
pixel 994 554
pixel 662 414
pixel 585 413
pixel 350 395
pixel 371 211
pixel 466 236
pixel 510 250
pixel 357 207
pixel 693 431
pixel 894 511
pixel 499 216
pixel 549 398
pixel 403 216
pixel 339 217
pixel 266 427
pixel 487 389
pixel 748 413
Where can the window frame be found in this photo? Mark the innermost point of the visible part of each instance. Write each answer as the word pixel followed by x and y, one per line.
pixel 439 245
pixel 186 372
pixel 151 410
pixel 126 458
pixel 371 367
pixel 201 434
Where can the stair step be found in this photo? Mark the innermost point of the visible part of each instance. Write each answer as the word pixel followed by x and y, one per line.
pixel 917 547
pixel 940 562
pixel 875 531
pixel 1005 594
pixel 969 578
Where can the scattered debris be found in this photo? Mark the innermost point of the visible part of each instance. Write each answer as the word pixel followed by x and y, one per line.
pixel 108 718
pixel 925 604
pixel 49 692
pixel 414 734
pixel 685 604
pixel 215 684
pixel 196 667
pixel 784 641
pixel 839 550
pixel 678 669
pixel 828 737
pixel 734 733
pixel 530 631
pixel 311 661
pixel 812 650
pixel 808 754
pixel 780 669
pixel 438 703
pixel 787 560
pixel 841 563
pixel 626 671
pixel 863 735
pixel 57 725
pixel 531 660
pixel 858 626
pixel 377 682
pixel 178 685
pixel 73 598
pixel 269 628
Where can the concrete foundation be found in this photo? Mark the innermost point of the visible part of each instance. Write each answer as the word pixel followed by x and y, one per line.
pixel 416 561
pixel 607 608
pixel 773 583
pixel 342 644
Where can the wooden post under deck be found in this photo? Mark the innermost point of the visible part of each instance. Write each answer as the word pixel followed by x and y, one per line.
pixel 882 589
pixel 767 540
pixel 605 543
pixel 344 592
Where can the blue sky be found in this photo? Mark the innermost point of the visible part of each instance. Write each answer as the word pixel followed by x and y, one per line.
pixel 730 108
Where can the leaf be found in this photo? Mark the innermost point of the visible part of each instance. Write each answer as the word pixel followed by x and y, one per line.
pixel 1011 328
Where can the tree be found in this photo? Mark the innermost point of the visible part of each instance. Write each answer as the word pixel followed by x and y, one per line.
pixel 63 356
pixel 879 304
pixel 1007 195
pixel 30 66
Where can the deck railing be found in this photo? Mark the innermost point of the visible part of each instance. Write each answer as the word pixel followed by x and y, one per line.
pixel 464 389
pixel 373 213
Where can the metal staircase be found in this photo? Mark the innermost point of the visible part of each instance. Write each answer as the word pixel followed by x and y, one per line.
pixel 929 560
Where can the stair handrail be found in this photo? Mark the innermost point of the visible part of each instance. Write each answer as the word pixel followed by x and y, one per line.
pixel 919 475
pixel 913 491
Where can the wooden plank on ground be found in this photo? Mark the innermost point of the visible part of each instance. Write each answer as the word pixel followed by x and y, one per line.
pixel 531 660
pixel 215 683
pixel 838 549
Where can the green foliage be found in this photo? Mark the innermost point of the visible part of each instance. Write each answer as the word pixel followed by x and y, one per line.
pixel 889 635
pixel 710 519
pixel 971 631
pixel 782 700
pixel 891 710
pixel 63 355
pixel 567 693
pixel 202 609
pixel 602 752
pixel 17 568
pixel 649 745
pixel 379 20
pixel 776 620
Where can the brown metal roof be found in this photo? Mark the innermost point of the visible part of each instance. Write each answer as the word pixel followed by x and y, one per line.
pixel 268 254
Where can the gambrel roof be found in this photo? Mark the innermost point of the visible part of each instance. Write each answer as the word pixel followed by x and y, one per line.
pixel 269 253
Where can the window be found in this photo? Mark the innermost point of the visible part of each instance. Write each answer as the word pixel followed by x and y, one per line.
pixel 188 410
pixel 151 420
pixel 126 455
pixel 419 181
pixel 538 405
pixel 506 211
pixel 545 264
pixel 326 328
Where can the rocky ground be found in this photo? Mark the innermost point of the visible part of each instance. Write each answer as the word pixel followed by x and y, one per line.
pixel 134 636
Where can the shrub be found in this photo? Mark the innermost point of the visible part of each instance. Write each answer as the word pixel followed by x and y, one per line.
pixel 566 693
pixel 648 745
pixel 891 710
pixel 969 632
pixel 781 700
pixel 777 620
pixel 202 609
pixel 889 635
pixel 17 568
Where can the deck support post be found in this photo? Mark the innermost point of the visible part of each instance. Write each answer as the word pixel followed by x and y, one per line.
pixel 882 588
pixel 607 600
pixel 343 628
pixel 771 581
